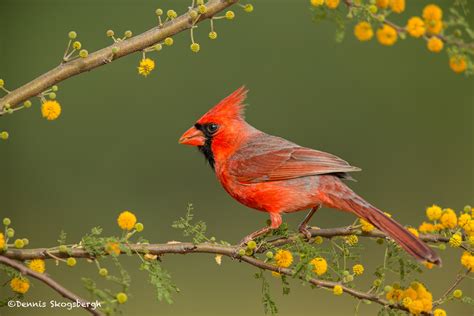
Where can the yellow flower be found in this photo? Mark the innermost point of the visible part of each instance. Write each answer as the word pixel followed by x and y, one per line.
pixel 366 226
pixel 433 212
pixel 382 4
pixel 417 299
pixel 317 3
pixel 432 12
pixel 463 219
pixel 455 240
pixel 413 231
pixel 276 274
pixel 458 63
pixel 434 44
pixel 469 227
pixel 448 218
pixel 411 293
pixel 332 4
pixel 415 307
pixel 397 6
pixel 434 26
pixel 439 312
pixel 230 15
pixel 168 41
pixel 416 27
pixel 428 265
pixel 407 301
pixel 471 240
pixel 351 240
pixel 320 265
pixel 363 31
pixel 2 242
pixel 20 285
pixel 387 35
pixel 457 293
pixel 121 297
pixel 37 265
pixel 467 260
pixel 426 227
pixel 438 227
pixel 337 290
pixel 127 220
pixel 112 248
pixel 51 110
pixel 146 66
pixel 394 295
pixel 358 269
pixel 283 258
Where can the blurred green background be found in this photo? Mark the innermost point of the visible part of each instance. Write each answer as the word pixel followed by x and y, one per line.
pixel 399 113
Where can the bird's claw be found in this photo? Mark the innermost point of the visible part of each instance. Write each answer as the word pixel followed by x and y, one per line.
pixel 305 231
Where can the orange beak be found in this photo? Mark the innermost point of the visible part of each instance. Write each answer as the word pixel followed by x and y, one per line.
pixel 193 137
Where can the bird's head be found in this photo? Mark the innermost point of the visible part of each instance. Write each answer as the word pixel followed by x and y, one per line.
pixel 220 126
pixel 223 119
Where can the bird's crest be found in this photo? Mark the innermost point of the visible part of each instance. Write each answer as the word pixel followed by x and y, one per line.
pixel 231 107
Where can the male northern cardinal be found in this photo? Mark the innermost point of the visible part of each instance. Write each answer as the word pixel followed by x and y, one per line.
pixel 274 175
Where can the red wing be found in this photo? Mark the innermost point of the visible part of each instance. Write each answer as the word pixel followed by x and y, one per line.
pixel 273 159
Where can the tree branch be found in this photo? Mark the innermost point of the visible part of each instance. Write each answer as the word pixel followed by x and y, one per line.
pixel 231 252
pixel 459 279
pixel 186 247
pixel 401 29
pixel 105 55
pixel 49 282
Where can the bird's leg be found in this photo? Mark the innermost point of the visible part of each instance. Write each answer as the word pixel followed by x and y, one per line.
pixel 254 235
pixel 275 222
pixel 303 228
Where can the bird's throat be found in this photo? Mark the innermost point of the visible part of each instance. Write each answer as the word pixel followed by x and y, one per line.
pixel 207 152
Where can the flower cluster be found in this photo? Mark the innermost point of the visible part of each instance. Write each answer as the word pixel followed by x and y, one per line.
pixel 18 283
pixel 430 26
pixel 446 220
pixel 8 235
pixel 458 227
pixel 74 48
pixel 415 297
pixel 195 11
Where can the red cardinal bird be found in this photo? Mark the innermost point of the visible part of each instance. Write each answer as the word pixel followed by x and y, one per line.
pixel 274 175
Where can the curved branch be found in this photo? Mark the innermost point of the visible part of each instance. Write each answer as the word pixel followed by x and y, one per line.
pixel 185 247
pixel 49 282
pixel 231 252
pixel 105 55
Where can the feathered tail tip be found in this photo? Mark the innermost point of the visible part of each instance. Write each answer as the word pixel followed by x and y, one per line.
pixel 351 202
pixel 231 107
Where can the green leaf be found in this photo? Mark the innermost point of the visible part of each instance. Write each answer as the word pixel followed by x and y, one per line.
pixel 160 279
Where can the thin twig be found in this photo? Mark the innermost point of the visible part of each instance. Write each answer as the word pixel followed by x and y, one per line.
pixel 458 280
pixel 102 56
pixel 229 251
pixel 51 283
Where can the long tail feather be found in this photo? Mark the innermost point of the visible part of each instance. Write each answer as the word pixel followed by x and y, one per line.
pixel 338 195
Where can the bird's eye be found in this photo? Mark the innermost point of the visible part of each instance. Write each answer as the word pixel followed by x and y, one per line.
pixel 212 128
